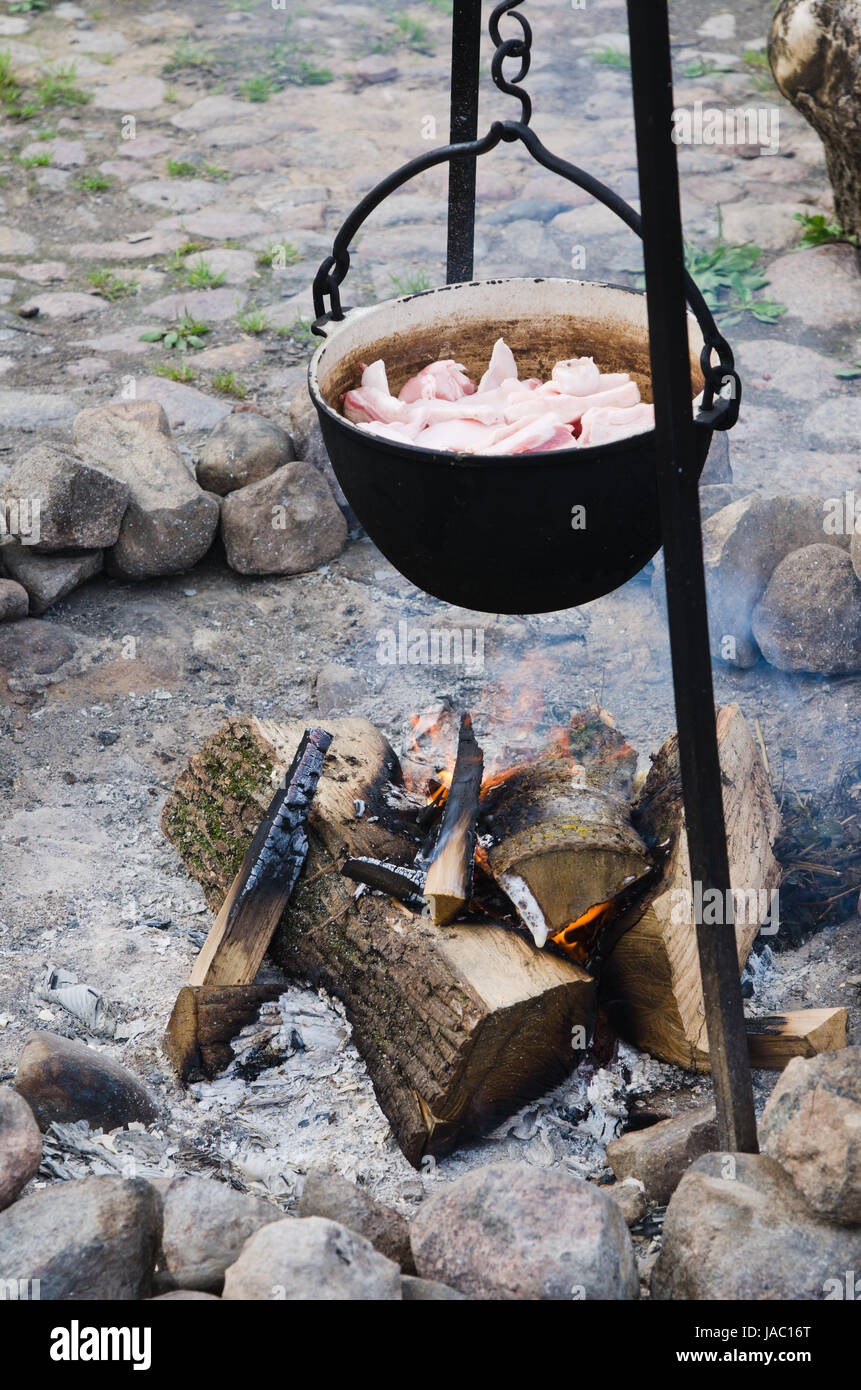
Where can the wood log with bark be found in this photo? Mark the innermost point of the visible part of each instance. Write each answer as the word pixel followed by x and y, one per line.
pixel 563 841
pixel 650 983
pixel 449 878
pixel 458 1025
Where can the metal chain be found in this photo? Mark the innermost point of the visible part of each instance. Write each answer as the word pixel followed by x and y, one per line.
pixel 512 48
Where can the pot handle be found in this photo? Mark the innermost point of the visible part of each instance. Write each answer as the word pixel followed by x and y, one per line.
pixel 722 393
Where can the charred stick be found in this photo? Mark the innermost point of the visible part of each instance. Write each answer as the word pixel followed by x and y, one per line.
pixel 449 879
pixel 240 935
pixel 403 883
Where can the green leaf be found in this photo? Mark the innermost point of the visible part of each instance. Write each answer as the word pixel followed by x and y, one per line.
pixel 194 341
pixel 153 335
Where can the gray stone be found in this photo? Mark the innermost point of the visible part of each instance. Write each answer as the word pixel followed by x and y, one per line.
pixel 812 1126
pixel 80 506
pixel 738 1228
pixel 132 94
pixel 717 467
pixel 14 600
pixel 285 524
pixel 715 496
pixel 177 195
pixel 415 1290
pixel 184 406
pixel 376 67
pixel 212 111
pixel 243 448
pixel 770 364
pixel 338 688
pixel 20 1145
pixel 27 410
pixel 35 650
pixel 742 544
pixel 835 424
pixel 326 1193
pixel 16 243
pixel 206 1224
pixel 63 1080
pixel 530 209
pixel 511 1231
pixel 630 1197
pixel 308 439
pixel 88 1238
pixel 310 1259
pixel 65 304
pixel 660 1154
pixel 170 522
pixel 855 553
pixel 213 306
pixel 49 578
pixel 771 225
pixel 809 618
pixel 820 286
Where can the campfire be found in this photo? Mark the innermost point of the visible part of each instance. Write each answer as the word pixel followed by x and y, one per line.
pixel 476 921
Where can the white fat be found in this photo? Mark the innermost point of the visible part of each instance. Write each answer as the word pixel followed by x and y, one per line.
pixel 530 913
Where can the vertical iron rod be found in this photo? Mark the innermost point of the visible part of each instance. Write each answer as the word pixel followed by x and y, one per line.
pixel 465 50
pixel 651 73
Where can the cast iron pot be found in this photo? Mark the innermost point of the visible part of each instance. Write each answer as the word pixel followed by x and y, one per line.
pixel 495 534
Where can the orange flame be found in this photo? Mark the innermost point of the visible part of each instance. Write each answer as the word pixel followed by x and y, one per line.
pixel 578 938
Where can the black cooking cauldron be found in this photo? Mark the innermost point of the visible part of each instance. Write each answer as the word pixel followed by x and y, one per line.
pixel 498 534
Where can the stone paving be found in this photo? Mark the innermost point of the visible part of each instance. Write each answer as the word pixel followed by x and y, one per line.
pixel 187 146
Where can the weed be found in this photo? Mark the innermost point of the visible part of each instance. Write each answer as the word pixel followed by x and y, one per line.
pixel 611 57
pixel 181 373
pixel 415 283
pixel 36 161
pixel 57 87
pixel 818 230
pixel 279 253
pixel 253 321
pixel 200 275
pixel 299 332
pixel 187 54
pixel 93 183
pixel 186 333
pixel 258 88
pixel 228 384
pixel 111 286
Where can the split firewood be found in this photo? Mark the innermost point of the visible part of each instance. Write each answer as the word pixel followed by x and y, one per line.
pixel 651 984
pixel 402 882
pixel 203 1022
pixel 449 878
pixel 774 1039
pixel 563 842
pixel 458 1025
pixel 239 937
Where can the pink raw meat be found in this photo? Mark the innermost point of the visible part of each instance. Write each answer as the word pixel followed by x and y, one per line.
pixel 502 367
pixel 603 424
pixel 567 409
pixel 441 381
pixel 441 409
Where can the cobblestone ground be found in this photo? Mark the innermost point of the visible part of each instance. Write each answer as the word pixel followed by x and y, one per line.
pixel 161 155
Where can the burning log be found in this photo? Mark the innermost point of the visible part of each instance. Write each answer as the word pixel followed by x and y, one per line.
pixel 234 949
pixel 449 879
pixel 564 845
pixel 650 984
pixel 457 1025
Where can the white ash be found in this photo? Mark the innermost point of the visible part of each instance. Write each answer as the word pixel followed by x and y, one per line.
pixel 297 1093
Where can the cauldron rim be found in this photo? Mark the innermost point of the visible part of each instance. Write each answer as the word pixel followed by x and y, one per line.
pixel 449 458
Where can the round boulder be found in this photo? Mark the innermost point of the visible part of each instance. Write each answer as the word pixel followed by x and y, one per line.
pixel 20 1145
pixel 242 449
pixel 809 618
pixel 510 1231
